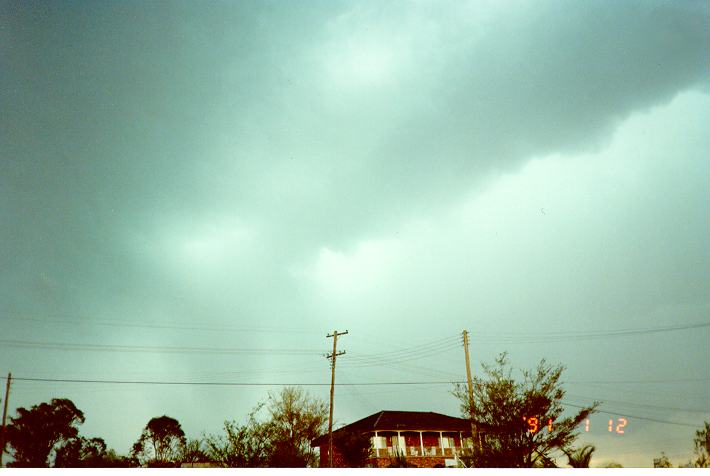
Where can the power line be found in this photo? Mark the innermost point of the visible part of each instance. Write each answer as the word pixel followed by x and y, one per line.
pixel 244 384
pixel 642 406
pixel 393 342
pixel 656 420
pixel 365 361
pixel 157 349
pixel 528 338
pixel 342 384
pixel 87 320
pixel 395 359
pixel 408 353
pixel 414 352
pixel 482 337
pixel 638 381
pixel 311 384
pixel 408 350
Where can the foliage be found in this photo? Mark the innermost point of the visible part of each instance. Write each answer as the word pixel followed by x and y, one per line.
pixel 354 448
pixel 500 409
pixel 161 443
pixel 281 440
pixel 111 459
pixel 81 452
pixel 662 462
pixel 194 451
pixel 399 460
pixel 295 420
pixel 702 446
pixel 612 464
pixel 580 457
pixel 36 433
pixel 242 446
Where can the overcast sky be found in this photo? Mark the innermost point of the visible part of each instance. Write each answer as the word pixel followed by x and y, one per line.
pixel 254 175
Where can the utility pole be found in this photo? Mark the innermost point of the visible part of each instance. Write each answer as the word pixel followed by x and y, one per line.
pixel 332 358
pixel 468 367
pixel 4 416
pixel 470 383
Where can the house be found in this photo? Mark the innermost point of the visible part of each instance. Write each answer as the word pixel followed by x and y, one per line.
pixel 200 465
pixel 425 439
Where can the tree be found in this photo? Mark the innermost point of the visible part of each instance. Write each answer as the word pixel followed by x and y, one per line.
pixel 81 452
pixel 580 457
pixel 612 464
pixel 281 440
pixel 519 424
pixel 161 443
pixel 242 446
pixel 111 459
pixel 702 446
pixel 194 451
pixel 35 434
pixel 355 448
pixel 662 462
pixel 295 420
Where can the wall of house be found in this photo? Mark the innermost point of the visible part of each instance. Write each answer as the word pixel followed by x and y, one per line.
pixel 418 461
pixel 337 457
pixel 382 462
pixel 433 454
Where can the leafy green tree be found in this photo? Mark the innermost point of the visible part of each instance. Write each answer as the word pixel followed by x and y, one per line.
pixel 161 443
pixel 295 420
pixel 513 418
pixel 241 446
pixel 355 448
pixel 81 452
pixel 580 457
pixel 194 451
pixel 111 459
pixel 34 435
pixel 281 439
pixel 662 461
pixel 702 446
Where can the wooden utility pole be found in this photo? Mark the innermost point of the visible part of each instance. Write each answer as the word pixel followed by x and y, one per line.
pixel 470 384
pixel 4 416
pixel 332 358
pixel 468 368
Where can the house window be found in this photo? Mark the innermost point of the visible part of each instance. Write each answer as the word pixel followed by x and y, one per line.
pixel 379 442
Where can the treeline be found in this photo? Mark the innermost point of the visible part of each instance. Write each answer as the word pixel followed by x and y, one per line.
pixel 701 443
pixel 47 435
pixel 505 412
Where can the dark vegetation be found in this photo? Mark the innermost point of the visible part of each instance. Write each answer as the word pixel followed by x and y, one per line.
pixel 278 432
pixel 702 452
pixel 503 410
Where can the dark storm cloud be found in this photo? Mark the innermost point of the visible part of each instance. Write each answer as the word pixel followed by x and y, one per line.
pixel 196 161
pixel 117 108
pixel 127 124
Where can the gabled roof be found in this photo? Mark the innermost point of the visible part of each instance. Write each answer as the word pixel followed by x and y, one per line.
pixel 385 420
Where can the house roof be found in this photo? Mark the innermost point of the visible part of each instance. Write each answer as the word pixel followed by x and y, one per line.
pixel 385 420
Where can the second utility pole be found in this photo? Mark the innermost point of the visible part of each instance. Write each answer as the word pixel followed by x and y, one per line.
pixel 468 371
pixel 470 385
pixel 332 358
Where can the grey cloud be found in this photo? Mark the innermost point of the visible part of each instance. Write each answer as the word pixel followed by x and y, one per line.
pixel 188 161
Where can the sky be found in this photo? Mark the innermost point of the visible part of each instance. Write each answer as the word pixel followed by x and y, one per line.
pixel 203 191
